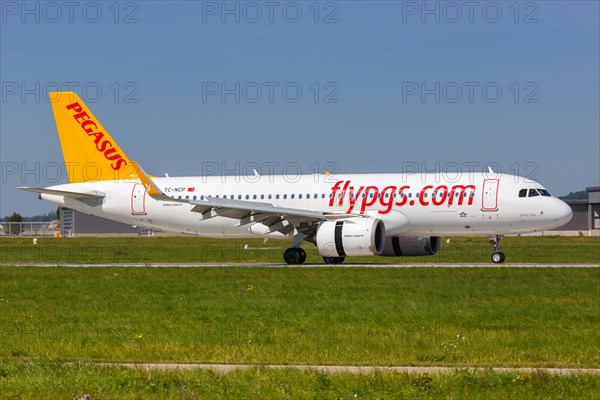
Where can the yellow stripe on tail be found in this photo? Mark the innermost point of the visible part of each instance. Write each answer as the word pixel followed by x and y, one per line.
pixel 90 153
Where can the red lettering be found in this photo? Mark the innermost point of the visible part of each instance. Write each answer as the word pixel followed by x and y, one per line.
pixel 118 164
pixel 104 146
pixel 461 193
pixel 369 198
pixel 83 116
pixel 438 200
pixel 389 201
pixel 334 190
pixel 108 156
pixel 403 197
pixel 341 201
pixel 75 107
pixel 98 136
pixel 371 194
pixel 85 125
pixel 422 196
pixel 353 199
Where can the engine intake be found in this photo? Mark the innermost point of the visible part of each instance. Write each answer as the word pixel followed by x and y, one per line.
pixel 350 237
pixel 397 246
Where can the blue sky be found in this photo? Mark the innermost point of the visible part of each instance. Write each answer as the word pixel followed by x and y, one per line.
pixel 371 86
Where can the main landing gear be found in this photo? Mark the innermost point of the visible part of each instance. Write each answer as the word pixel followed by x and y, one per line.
pixel 497 256
pixel 297 256
pixel 294 256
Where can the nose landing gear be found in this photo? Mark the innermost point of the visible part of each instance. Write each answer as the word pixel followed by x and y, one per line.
pixel 497 256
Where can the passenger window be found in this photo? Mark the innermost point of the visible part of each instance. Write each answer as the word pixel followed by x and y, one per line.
pixel 262 196
pixel 277 196
pixel 270 196
pixel 533 193
pixel 292 195
pixel 254 197
pixel 523 193
pixel 247 197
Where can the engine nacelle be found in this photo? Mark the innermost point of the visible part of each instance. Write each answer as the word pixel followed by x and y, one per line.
pixel 396 246
pixel 350 237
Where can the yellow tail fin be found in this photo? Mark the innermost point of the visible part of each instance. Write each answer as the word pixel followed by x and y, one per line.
pixel 90 153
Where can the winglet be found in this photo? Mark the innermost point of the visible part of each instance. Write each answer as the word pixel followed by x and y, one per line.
pixel 148 183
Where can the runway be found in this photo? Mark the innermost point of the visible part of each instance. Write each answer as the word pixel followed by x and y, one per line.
pixel 274 265
pixel 355 369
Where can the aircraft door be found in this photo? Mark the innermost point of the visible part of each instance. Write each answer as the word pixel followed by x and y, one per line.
pixel 490 195
pixel 138 199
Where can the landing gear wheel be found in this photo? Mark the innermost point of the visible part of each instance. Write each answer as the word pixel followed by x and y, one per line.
pixel 333 260
pixel 294 256
pixel 498 257
pixel 302 255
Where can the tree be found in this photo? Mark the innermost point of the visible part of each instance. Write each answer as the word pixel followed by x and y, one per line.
pixel 15 228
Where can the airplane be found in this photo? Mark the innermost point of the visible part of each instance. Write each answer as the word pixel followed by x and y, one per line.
pixel 389 215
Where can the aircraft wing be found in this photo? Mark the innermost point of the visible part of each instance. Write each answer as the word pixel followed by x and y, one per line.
pixel 74 195
pixel 273 219
pixel 202 206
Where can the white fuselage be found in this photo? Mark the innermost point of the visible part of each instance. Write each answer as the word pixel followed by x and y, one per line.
pixel 409 205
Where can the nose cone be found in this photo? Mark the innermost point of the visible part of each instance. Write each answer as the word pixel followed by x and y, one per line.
pixel 561 213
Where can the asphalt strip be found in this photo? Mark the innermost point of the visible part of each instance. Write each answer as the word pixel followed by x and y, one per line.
pixel 353 369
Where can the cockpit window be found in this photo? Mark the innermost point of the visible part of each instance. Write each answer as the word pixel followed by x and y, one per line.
pixel 523 193
pixel 533 193
pixel 544 192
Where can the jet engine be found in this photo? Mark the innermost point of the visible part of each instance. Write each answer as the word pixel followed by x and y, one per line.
pixel 350 237
pixel 396 246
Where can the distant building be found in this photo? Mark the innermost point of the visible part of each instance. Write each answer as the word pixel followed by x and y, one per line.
pixel 75 223
pixel 586 213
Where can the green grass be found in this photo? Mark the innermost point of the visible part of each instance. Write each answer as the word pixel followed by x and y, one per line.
pixel 360 316
pixel 549 249
pixel 55 323
pixel 57 380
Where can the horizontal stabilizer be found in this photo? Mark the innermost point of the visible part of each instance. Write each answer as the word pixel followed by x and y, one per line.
pixel 73 195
